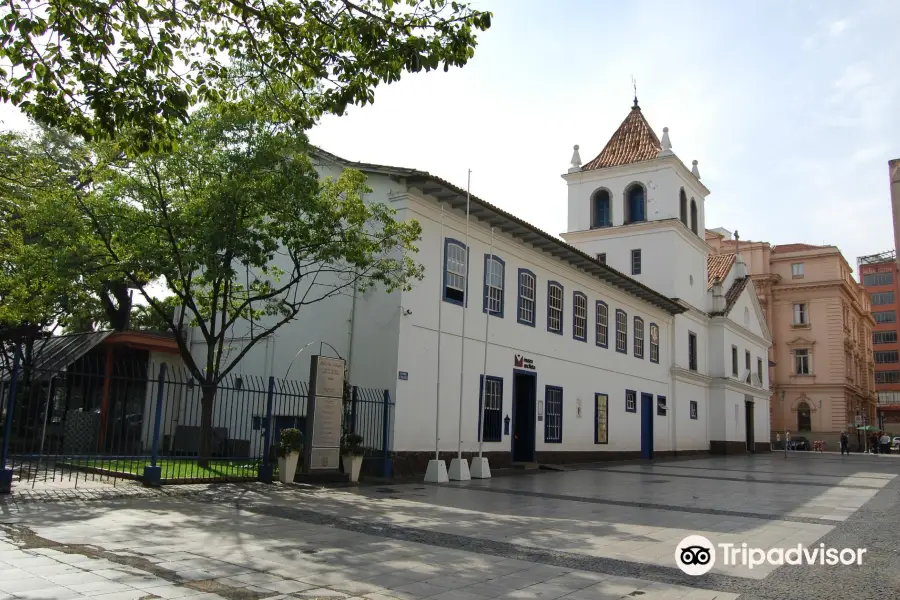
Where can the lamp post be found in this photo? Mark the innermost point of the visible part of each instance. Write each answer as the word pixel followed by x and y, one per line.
pixel 785 422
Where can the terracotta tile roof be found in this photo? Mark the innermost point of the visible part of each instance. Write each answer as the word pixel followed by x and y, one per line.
pixel 734 293
pixel 717 267
pixel 634 141
pixel 795 247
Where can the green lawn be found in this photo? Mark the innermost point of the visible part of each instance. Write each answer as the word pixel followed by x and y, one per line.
pixel 175 468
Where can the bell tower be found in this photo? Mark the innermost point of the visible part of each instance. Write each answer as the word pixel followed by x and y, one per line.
pixel 637 207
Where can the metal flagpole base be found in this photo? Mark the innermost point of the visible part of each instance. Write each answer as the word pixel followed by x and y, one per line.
pixel 459 470
pixel 437 472
pixel 481 469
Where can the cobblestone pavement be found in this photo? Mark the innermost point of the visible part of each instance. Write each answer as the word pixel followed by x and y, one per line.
pixel 601 532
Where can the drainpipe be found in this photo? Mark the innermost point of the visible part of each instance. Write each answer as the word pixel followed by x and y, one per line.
pixel 672 391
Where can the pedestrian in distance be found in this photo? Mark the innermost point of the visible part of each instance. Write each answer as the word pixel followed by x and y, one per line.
pixel 885 443
pixel 845 443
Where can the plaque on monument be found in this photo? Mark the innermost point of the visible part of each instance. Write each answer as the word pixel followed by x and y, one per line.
pixel 327 423
pixel 324 414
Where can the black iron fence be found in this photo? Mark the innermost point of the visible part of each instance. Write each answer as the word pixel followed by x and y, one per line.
pixel 98 420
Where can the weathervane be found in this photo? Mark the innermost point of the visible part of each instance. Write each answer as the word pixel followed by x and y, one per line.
pixel 634 85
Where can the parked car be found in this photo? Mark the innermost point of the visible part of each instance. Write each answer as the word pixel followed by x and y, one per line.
pixel 896 442
pixel 800 443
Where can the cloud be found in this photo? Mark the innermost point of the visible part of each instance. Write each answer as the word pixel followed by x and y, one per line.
pixel 836 28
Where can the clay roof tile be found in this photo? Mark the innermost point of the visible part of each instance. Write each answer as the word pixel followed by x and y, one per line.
pixel 634 141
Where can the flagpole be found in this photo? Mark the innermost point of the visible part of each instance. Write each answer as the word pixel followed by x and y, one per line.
pixel 480 468
pixel 487 326
pixel 459 469
pixel 437 469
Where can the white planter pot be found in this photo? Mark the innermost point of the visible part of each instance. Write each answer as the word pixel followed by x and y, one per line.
pixel 352 465
pixel 287 467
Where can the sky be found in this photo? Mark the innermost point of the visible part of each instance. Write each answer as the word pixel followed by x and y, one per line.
pixel 792 109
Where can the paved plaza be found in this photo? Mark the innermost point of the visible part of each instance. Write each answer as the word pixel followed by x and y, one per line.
pixel 598 532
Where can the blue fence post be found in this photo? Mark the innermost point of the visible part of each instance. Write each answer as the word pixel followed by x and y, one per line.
pixel 6 474
pixel 153 473
pixel 387 466
pixel 354 400
pixel 265 469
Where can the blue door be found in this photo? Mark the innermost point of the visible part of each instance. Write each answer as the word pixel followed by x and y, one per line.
pixel 647 425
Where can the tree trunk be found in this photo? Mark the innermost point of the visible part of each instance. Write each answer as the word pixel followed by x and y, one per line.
pixel 118 312
pixel 206 429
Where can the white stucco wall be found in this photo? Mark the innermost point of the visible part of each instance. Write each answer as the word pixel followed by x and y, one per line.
pixel 662 179
pixel 325 321
pixel 692 434
pixel 580 368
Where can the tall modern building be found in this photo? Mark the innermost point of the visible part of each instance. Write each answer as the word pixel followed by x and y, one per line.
pixel 879 274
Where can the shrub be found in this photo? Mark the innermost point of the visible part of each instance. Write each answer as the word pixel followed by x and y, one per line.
pixel 352 444
pixel 291 440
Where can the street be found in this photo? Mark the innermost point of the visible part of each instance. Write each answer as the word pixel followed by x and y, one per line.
pixel 602 531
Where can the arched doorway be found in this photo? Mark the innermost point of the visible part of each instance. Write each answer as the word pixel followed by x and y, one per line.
pixel 804 417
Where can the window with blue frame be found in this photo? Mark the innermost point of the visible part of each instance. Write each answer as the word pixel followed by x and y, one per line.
pixel 602 216
pixel 494 271
pixel 661 407
pixel 635 204
pixel 579 317
pixel 527 295
pixel 490 419
pixel 692 351
pixel 621 331
pixel 602 324
pixel 638 337
pixel 654 342
pixel 455 271
pixel 601 419
pixel 554 307
pixel 636 262
pixel 553 414
pixel 630 401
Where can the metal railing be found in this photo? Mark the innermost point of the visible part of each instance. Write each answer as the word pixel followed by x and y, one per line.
pixel 82 423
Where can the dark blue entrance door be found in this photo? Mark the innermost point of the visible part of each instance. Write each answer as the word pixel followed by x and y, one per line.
pixel 647 425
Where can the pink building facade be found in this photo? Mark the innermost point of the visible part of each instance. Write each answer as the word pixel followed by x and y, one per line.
pixel 820 365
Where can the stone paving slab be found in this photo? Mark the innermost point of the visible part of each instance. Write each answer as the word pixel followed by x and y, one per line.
pixel 273 566
pixel 567 535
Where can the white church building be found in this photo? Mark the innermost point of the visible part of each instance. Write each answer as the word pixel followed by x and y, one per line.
pixel 622 339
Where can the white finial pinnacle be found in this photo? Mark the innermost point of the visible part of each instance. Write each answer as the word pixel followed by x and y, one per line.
pixel 695 170
pixel 666 144
pixel 576 160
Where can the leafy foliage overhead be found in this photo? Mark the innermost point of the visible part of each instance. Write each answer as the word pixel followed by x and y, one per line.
pixel 51 271
pixel 96 68
pixel 237 226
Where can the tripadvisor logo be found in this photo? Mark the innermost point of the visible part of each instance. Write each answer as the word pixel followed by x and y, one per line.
pixel 696 555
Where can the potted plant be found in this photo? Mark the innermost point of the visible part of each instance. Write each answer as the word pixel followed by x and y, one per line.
pixel 289 448
pixel 352 455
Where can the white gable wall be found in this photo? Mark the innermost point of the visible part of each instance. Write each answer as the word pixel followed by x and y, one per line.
pixel 324 321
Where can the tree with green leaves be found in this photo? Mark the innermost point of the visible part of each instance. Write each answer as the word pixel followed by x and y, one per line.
pixel 95 68
pixel 240 229
pixel 52 273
